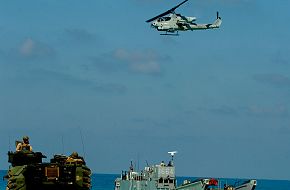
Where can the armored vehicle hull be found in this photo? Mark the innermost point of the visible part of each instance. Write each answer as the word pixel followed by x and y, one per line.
pixel 27 172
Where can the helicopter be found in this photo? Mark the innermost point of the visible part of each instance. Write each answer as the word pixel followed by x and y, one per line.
pixel 175 22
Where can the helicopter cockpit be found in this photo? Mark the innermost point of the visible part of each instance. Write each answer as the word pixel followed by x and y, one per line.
pixel 161 19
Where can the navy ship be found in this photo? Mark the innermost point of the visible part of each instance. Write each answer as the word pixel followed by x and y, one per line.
pixel 162 177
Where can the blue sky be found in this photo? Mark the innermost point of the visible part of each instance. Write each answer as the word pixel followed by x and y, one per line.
pixel 94 71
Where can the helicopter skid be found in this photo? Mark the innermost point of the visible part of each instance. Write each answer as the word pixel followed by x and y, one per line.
pixel 166 34
pixel 170 33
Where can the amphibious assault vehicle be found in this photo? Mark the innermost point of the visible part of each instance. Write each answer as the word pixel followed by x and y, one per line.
pixel 28 172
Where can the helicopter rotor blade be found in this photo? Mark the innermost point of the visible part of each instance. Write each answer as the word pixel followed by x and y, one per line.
pixel 173 9
pixel 167 12
pixel 161 15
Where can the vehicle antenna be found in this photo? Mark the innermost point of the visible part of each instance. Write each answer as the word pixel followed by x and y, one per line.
pixel 138 161
pixel 131 166
pixel 62 143
pixel 9 141
pixel 84 153
pixel 147 163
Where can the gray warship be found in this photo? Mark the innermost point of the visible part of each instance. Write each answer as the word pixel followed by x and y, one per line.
pixel 162 177
pixel 28 172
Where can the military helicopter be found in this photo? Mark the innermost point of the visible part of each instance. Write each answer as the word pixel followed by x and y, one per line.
pixel 174 22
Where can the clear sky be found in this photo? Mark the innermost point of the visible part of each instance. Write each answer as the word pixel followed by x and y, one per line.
pixel 91 76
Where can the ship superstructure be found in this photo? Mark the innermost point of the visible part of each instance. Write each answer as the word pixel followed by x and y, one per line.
pixel 159 176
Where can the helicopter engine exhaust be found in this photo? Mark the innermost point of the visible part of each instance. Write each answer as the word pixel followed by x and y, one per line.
pixel 190 19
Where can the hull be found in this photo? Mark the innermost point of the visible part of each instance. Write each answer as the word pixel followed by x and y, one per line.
pixel 247 185
pixel 197 185
pixel 162 177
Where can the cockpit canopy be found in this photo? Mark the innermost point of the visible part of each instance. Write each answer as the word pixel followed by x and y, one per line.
pixel 163 19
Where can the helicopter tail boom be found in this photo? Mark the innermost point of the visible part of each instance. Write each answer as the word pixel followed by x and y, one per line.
pixel 217 23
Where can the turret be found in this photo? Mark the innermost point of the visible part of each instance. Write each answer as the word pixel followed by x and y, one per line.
pixel 25 158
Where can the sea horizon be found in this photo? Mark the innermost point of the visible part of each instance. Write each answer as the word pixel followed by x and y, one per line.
pixel 105 181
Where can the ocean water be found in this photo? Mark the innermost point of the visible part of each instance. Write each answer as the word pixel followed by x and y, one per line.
pixel 106 182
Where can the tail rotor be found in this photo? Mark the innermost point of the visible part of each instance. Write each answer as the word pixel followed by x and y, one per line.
pixel 217 15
